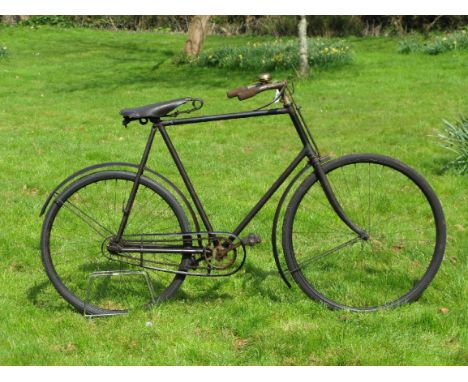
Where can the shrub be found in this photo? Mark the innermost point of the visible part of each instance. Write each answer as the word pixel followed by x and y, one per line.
pixel 57 21
pixel 325 53
pixel 273 56
pixel 439 44
pixel 455 138
pixel 409 45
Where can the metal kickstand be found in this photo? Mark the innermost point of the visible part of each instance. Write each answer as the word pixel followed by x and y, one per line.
pixel 116 273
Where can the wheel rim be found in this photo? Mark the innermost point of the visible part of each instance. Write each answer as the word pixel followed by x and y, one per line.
pixel 347 272
pixel 84 217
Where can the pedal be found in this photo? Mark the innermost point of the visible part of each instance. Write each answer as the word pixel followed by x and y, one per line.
pixel 251 239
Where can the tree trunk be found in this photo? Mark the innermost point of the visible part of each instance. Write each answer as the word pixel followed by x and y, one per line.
pixel 249 24
pixel 11 19
pixel 303 59
pixel 427 28
pixel 197 31
pixel 398 24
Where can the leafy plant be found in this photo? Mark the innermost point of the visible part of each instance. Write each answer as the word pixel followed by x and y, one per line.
pixel 455 138
pixel 57 21
pixel 273 56
pixel 3 51
pixel 439 44
pixel 409 45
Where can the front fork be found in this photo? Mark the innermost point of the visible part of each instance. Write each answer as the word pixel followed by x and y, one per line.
pixel 314 159
pixel 326 186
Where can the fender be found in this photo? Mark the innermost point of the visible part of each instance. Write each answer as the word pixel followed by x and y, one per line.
pixel 276 218
pixel 85 170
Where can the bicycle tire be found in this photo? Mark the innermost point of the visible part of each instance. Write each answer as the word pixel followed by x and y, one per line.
pixel 58 270
pixel 399 251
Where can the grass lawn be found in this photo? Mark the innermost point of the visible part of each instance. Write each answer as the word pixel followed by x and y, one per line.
pixel 60 94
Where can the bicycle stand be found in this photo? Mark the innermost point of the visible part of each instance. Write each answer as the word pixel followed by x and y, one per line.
pixel 116 273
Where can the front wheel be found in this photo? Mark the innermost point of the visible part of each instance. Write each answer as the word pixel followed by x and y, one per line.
pixel 399 211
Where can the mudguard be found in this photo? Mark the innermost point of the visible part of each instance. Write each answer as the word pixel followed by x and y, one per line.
pixel 285 194
pixel 147 170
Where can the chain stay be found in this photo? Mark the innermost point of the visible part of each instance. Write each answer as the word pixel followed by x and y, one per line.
pixel 212 254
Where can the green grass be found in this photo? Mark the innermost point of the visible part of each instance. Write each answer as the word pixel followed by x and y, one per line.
pixel 60 93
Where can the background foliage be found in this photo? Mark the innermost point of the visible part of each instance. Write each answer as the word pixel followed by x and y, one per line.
pixel 259 25
pixel 436 44
pixel 273 55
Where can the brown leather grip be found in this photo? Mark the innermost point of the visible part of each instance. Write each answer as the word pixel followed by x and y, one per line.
pixel 247 93
pixel 236 91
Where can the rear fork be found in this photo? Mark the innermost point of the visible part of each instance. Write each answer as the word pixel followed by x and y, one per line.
pixel 211 253
pixel 131 199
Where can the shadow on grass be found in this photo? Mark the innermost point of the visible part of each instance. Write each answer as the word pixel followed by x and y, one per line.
pixel 39 297
pixel 210 294
pixel 157 73
pixel 124 65
pixel 255 282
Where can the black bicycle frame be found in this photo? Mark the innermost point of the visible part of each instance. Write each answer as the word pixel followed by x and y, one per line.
pixel 306 152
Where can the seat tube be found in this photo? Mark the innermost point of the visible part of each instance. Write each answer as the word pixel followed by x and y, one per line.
pixel 185 178
pixel 133 192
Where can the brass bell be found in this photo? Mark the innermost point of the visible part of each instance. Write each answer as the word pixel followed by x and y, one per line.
pixel 264 78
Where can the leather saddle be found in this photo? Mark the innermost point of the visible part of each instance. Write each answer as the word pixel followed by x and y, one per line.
pixel 155 110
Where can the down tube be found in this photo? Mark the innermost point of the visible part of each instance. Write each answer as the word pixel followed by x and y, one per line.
pixel 271 191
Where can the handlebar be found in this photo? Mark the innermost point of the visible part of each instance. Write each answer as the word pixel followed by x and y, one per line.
pixel 235 92
pixel 250 91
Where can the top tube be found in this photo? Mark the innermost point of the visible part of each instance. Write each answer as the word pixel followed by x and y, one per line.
pixel 222 117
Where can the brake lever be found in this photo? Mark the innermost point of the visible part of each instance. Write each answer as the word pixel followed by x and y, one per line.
pixel 277 96
pixel 276 99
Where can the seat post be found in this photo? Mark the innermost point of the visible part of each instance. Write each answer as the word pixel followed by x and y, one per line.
pixel 141 168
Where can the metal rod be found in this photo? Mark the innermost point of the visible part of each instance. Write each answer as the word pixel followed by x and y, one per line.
pixel 322 177
pixel 132 196
pixel 221 117
pixel 271 191
pixel 160 249
pixel 299 128
pixel 327 189
pixel 186 179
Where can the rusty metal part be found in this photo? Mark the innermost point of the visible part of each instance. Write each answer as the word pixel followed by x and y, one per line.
pixel 211 253
pixel 221 257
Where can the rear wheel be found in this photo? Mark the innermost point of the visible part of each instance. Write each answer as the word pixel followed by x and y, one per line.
pixel 77 228
pixel 399 211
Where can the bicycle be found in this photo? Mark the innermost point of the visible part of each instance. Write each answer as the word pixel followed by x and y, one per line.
pixel 362 232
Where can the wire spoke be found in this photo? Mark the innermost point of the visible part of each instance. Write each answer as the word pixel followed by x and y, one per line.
pixel 326 253
pixel 81 213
